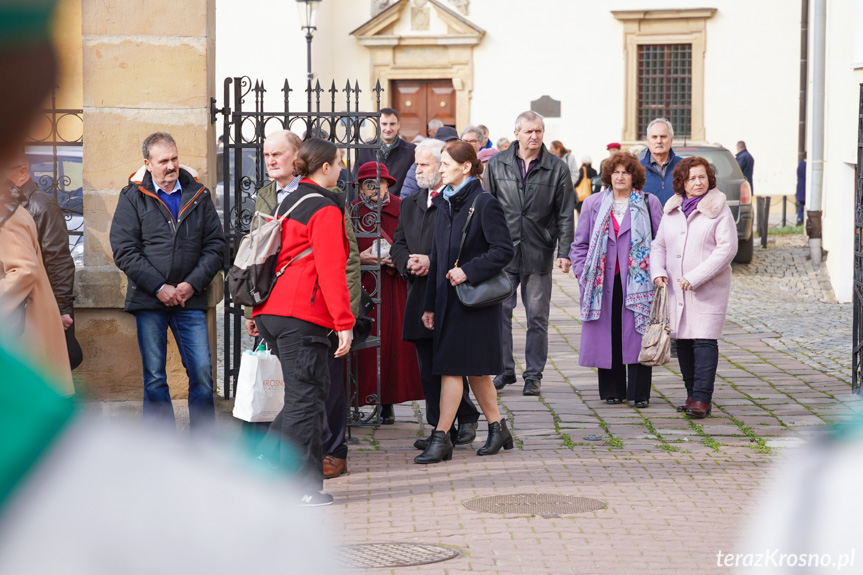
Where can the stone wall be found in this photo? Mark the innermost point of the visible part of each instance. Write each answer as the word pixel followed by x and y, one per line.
pixel 147 66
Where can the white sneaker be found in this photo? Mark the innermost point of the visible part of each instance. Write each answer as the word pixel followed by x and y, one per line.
pixel 315 499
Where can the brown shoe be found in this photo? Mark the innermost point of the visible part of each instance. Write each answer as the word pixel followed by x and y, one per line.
pixel 334 466
pixel 686 404
pixel 699 409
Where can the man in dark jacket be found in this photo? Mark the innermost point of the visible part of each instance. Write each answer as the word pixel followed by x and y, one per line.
pixel 659 160
pixel 746 163
pixel 396 154
pixel 167 239
pixel 535 189
pixel 412 244
pixel 54 243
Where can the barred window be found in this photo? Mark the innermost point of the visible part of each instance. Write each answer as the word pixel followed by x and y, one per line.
pixel 665 86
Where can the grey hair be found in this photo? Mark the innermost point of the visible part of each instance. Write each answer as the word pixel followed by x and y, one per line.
pixel 501 142
pixel 657 121
pixel 530 116
pixel 586 160
pixel 436 147
pixel 435 124
pixel 479 135
pixel 156 138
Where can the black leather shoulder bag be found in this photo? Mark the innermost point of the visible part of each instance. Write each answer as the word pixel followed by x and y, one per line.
pixel 490 292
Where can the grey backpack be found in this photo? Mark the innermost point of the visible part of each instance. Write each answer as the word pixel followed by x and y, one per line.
pixel 254 273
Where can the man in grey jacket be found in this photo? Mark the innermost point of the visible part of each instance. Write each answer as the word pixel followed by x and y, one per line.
pixel 535 189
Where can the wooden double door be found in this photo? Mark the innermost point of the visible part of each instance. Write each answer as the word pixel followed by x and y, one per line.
pixel 420 101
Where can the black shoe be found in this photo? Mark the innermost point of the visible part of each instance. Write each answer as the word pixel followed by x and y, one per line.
pixel 439 449
pixel 388 414
pixel 316 499
pixel 503 380
pixel 422 443
pixel 613 400
pixel 498 436
pixel 642 404
pixel 531 387
pixel 466 433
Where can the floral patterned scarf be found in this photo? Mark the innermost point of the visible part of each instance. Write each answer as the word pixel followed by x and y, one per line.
pixel 639 289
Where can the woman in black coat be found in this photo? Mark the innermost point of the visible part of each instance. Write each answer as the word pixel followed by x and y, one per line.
pixel 467 341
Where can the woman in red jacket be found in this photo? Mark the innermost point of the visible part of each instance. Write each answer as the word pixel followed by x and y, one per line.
pixel 309 307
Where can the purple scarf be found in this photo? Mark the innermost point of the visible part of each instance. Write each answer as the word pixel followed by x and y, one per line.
pixel 689 205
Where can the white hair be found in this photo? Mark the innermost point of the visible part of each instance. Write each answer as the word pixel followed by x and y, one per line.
pixel 586 160
pixel 435 124
pixel 436 147
pixel 474 130
pixel 662 121
pixel 530 116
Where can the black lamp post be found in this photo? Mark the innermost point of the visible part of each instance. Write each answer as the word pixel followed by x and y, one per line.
pixel 308 11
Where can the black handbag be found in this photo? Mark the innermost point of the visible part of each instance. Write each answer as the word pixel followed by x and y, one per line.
pixel 492 291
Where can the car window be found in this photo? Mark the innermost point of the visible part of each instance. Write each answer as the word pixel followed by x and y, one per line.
pixel 722 161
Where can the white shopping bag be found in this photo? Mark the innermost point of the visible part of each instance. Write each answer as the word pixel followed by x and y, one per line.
pixel 260 388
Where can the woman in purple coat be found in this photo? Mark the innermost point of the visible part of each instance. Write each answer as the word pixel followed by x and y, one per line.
pixel 611 261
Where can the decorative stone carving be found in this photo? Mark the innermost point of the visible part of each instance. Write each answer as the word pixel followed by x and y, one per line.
pixel 546 107
pixel 420 19
pixel 379 6
pixel 419 3
pixel 462 6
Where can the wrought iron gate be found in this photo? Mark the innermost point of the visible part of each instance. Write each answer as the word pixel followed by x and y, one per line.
pixel 856 368
pixel 242 172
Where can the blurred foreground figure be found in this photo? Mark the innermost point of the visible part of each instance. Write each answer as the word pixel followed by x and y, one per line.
pixel 809 519
pixel 80 483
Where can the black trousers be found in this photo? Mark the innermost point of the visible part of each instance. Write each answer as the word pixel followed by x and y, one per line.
pixel 302 348
pixel 467 411
pixel 698 359
pixel 613 382
pixel 336 411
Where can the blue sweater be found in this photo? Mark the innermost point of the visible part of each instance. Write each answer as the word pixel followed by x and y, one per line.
pixel 655 184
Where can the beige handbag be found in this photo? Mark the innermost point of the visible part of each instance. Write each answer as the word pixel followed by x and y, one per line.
pixel 656 341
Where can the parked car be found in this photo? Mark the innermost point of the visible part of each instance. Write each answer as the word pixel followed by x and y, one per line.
pixel 68 185
pixel 730 180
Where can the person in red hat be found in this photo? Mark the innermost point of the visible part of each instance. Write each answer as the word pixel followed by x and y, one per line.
pixel 400 376
pixel 612 148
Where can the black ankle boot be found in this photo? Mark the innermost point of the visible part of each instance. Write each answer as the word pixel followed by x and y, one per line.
pixel 439 449
pixel 498 436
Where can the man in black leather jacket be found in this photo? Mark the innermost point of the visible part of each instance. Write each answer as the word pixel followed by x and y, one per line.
pixel 535 189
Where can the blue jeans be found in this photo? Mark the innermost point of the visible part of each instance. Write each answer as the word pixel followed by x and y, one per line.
pixel 190 331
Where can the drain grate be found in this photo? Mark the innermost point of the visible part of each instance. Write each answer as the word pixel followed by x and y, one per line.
pixel 541 504
pixel 371 555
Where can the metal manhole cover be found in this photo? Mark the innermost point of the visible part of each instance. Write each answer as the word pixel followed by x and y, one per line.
pixel 371 555
pixel 541 504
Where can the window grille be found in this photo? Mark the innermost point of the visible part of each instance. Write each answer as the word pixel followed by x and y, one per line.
pixel 665 86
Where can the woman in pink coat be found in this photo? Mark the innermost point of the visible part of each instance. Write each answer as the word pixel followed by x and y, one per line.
pixel 692 255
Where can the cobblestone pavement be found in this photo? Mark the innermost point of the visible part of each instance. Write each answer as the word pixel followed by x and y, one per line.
pixel 676 491
pixel 783 292
pixel 670 484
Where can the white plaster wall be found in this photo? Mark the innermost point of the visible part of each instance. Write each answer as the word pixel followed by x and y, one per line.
pixel 840 145
pixel 573 53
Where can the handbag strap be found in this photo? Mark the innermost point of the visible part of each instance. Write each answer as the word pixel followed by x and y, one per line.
pixel 659 307
pixel 464 230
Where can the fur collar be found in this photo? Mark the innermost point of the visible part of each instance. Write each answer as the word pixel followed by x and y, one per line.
pixel 711 206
